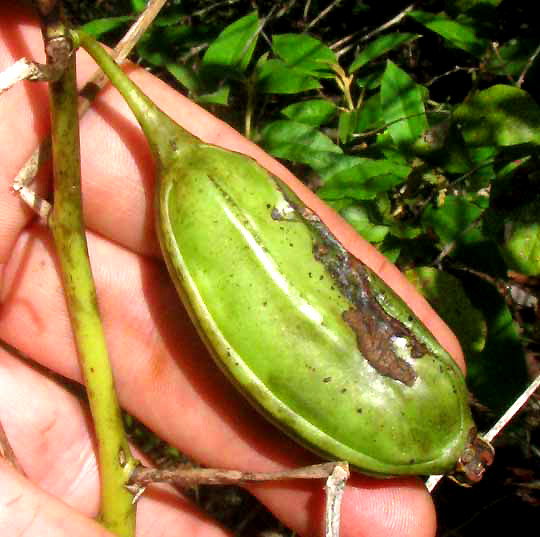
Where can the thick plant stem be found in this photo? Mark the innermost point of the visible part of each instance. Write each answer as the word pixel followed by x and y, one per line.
pixel 163 134
pixel 115 460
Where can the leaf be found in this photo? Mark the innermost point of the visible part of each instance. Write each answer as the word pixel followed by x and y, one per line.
pixel 442 145
pixel 347 124
pixel 358 217
pixel 355 121
pixel 274 76
pixel 369 115
pixel 496 375
pixel 371 81
pixel 500 115
pixel 446 294
pixel 402 106
pixel 100 27
pixel 220 96
pixel 521 246
pixel 361 178
pixel 451 220
pixel 234 46
pixel 305 54
pixel 461 34
pixel 380 46
pixel 184 75
pixel 313 112
pixel 512 56
pixel 299 143
pixel 138 5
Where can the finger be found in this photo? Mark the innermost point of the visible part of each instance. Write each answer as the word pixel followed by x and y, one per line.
pixel 50 431
pixel 110 129
pixel 27 510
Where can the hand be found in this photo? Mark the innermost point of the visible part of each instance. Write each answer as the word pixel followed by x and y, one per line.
pixel 163 373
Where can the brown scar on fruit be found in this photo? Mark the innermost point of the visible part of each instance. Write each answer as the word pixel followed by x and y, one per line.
pixel 376 331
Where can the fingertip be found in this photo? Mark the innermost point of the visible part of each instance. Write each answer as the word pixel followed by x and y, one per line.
pixel 393 508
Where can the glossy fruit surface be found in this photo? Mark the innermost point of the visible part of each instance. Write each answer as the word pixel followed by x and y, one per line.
pixel 307 332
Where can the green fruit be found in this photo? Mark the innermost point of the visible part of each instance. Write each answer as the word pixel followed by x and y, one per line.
pixel 306 331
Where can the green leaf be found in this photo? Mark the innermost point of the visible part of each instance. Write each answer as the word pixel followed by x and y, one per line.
pixel 358 217
pixel 500 115
pixel 234 46
pixel 512 57
pixel 461 34
pixel 451 220
pixel 521 246
pixel 138 5
pixel 220 96
pixel 347 124
pixel 313 112
pixel 355 121
pixel 184 75
pixel 274 76
pixel 497 375
pixel 402 106
pixel 305 54
pixel 442 145
pixel 99 27
pixel 380 46
pixel 371 81
pixel 361 178
pixel 369 115
pixel 299 143
pixel 446 294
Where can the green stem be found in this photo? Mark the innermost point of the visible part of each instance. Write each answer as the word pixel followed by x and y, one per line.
pixel 163 134
pixel 115 460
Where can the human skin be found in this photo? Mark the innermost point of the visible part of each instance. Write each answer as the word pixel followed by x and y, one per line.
pixel 164 375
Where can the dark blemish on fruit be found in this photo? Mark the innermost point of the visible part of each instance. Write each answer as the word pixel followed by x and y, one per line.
pixel 376 331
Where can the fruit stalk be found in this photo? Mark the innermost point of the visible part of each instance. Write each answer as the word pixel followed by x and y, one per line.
pixel 164 136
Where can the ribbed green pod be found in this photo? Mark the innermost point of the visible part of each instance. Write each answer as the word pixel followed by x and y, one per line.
pixel 244 262
pixel 307 332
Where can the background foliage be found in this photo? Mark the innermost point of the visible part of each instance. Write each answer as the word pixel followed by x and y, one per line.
pixel 420 125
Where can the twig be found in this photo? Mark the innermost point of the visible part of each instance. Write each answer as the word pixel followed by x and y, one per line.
pixel 393 21
pixel 21 70
pixel 335 488
pixel 323 14
pixel 509 414
pixel 336 474
pixel 528 65
pixel 187 476
pixel 205 10
pixel 456 69
pixel 452 244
